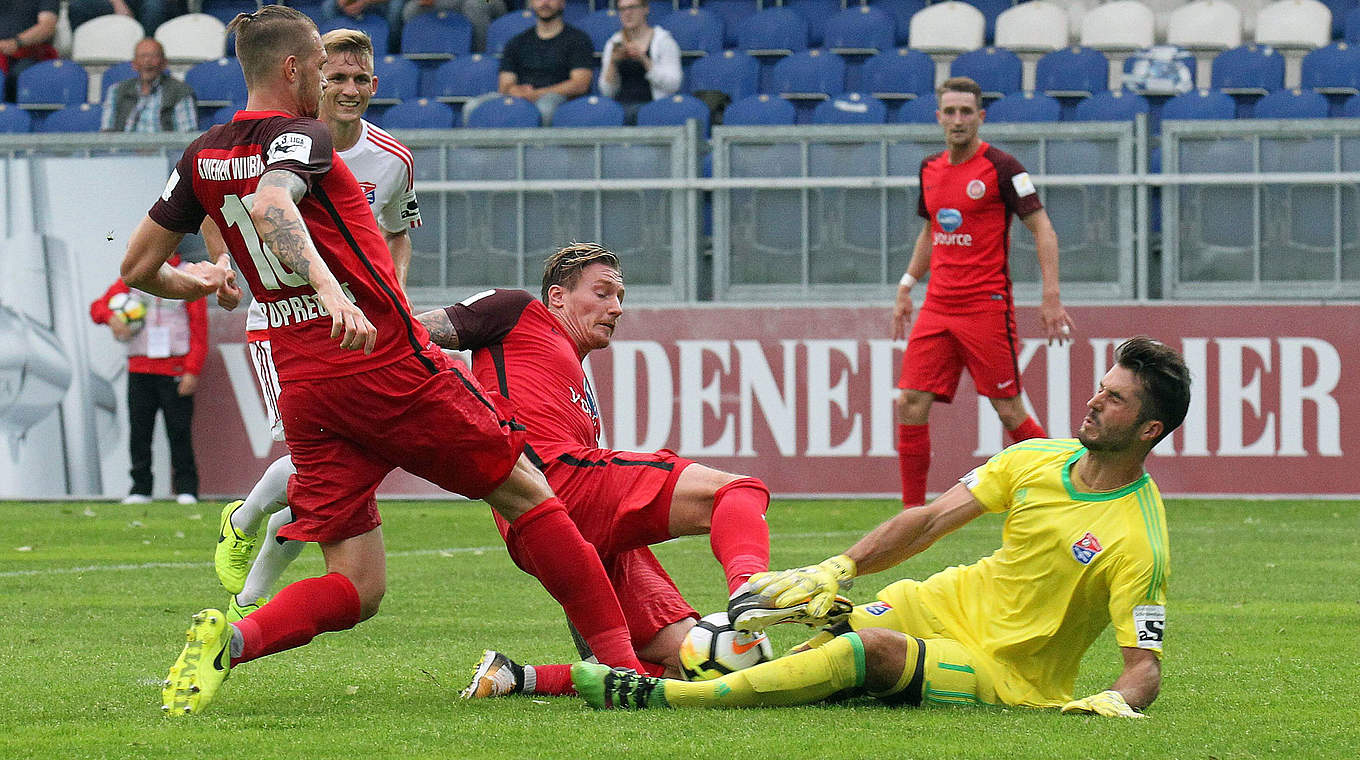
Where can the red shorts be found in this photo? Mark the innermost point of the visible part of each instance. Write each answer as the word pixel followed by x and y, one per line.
pixel 648 596
pixel 941 345
pixel 346 433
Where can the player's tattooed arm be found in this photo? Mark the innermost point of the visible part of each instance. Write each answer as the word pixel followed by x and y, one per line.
pixel 440 328
pixel 285 233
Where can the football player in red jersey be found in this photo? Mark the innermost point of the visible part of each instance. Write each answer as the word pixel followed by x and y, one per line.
pixel 969 193
pixel 301 233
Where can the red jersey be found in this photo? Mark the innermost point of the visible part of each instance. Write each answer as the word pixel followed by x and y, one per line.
pixel 969 207
pixel 519 349
pixel 217 177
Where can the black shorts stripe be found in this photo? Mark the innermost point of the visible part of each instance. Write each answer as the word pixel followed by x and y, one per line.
pixel 572 461
pixel 914 692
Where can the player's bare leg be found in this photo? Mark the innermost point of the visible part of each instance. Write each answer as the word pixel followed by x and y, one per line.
pixel 1015 418
pixel 731 509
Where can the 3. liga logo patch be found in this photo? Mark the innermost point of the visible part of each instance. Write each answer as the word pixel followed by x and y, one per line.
pixel 1087 548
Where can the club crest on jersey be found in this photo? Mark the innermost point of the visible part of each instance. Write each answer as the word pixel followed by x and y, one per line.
pixel 878 608
pixel 949 219
pixel 370 191
pixel 1087 548
pixel 976 189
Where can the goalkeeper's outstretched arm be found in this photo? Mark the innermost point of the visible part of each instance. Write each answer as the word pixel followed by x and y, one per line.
pixel 1142 677
pixel 911 531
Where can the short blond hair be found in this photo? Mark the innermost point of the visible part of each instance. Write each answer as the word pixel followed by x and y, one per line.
pixel 352 41
pixel 565 266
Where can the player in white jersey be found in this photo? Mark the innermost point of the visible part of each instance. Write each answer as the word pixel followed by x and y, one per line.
pixel 384 169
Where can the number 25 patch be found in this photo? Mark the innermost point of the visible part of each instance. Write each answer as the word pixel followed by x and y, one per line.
pixel 1149 620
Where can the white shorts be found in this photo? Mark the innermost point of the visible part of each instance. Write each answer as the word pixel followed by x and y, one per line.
pixel 262 356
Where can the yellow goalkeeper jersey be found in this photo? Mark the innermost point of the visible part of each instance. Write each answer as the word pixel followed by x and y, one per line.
pixel 1069 564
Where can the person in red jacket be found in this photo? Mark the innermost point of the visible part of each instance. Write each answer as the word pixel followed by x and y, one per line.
pixel 166 349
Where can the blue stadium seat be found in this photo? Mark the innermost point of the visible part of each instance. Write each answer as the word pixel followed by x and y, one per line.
pixel 733 72
pixel 1352 33
pixel 760 110
pixel 1351 109
pixel 14 119
pixel 504 112
pixel 996 70
pixel 590 111
pixel 677 109
pixel 850 108
pixel 731 12
pixel 1200 104
pixel 436 36
pixel 504 27
pixel 1339 9
pixel 464 78
pixel 114 74
pixel 990 10
pixel 901 12
pixel 1332 70
pixel 1110 106
pixel 1072 72
pixel 398 80
pixel 226 10
pixel 1248 72
pixel 918 111
pixel 895 76
pixel 698 32
pixel 600 26
pixel 817 12
pixel 1025 106
pixel 807 78
pixel 52 84
pixel 217 83
pixel 73 118
pixel 575 10
pixel 771 35
pixel 1291 104
pixel 222 115
pixel 420 113
pixel 372 24
pixel 860 30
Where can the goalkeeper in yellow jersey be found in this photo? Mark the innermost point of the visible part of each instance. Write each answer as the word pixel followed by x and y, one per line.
pixel 1084 545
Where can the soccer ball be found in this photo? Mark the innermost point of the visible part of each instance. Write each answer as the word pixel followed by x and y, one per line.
pixel 131 308
pixel 713 649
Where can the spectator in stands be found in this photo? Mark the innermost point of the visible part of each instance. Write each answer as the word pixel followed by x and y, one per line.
pixel 154 101
pixel 26 31
pixel 332 9
pixel 149 13
pixel 641 62
pixel 547 64
pixel 479 12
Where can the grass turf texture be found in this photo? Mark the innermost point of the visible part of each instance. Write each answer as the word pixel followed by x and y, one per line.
pixel 1261 647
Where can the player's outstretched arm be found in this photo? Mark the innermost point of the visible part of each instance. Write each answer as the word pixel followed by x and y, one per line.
pixel 441 330
pixel 1134 690
pixel 1057 325
pixel 144 266
pixel 279 224
pixel 399 245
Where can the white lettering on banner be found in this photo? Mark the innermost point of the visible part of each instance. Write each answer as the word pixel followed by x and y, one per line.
pixel 660 395
pixel 1293 392
pixel 823 394
pixel 1234 391
pixel 756 385
pixel 1194 432
pixel 696 396
pixel 884 362
pixel 247 390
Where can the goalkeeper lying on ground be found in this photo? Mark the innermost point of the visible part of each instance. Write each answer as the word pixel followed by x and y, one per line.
pixel 1084 544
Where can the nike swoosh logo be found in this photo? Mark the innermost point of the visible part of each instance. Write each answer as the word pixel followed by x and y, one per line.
pixel 218 663
pixel 740 648
pixel 1003 385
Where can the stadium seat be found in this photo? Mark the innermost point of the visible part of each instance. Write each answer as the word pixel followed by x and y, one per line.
pixel 436 36
pixel 1352 33
pixel 462 79
pixel 947 28
pixel 106 40
pixel 1033 27
pixel 223 115
pixel 1076 14
pixel 398 80
pixel 1072 72
pixel 590 111
pixel 600 26
pixel 504 27
pixel 217 83
pixel 575 10
pixel 1351 109
pixel 506 112
pixel 15 120
pixel 51 85
pixel 808 77
pixel 1117 29
pixel 1294 27
pixel 996 70
pixel 898 75
pixel 1332 70
pixel 733 72
pixel 1203 27
pixel 731 12
pixel 817 13
pixel 1291 104
pixel 901 12
pixel 698 32
pixel 114 74
pixel 675 110
pixel 850 108
pixel 918 111
pixel 420 113
pixel 1110 106
pixel 193 38
pixel 83 117
pixel 226 10
pixel 1200 104
pixel 373 24
pixel 760 110
pixel 991 10
pixel 1249 69
pixel 860 30
pixel 1339 9
pixel 773 32
pixel 1024 106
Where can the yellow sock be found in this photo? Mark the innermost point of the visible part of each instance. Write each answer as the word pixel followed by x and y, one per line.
pixel 797 679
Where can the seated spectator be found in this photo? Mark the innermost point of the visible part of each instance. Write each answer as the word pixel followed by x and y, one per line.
pixel 149 13
pixel 479 12
pixel 641 62
pixel 26 31
pixel 331 9
pixel 547 64
pixel 154 101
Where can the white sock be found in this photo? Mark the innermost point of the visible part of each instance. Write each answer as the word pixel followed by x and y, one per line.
pixel 268 496
pixel 238 642
pixel 530 680
pixel 274 557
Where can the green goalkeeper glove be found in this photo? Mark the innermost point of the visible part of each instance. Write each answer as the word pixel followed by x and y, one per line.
pixel 1109 703
pixel 815 584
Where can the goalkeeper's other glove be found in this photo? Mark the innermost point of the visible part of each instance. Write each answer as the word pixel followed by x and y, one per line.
pixel 815 584
pixel 1109 703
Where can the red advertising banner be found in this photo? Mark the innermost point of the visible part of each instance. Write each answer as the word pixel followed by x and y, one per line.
pixel 802 397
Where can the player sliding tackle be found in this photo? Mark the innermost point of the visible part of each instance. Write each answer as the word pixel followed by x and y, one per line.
pixel 1084 545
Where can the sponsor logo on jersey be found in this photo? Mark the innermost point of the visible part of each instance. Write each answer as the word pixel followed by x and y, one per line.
pixel 976 189
pixel 410 211
pixel 949 219
pixel 290 146
pixel 1087 548
pixel 1149 620
pixel 878 608
pixel 370 192
pixel 1023 184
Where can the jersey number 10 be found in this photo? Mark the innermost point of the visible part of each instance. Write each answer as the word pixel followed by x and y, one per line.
pixel 273 274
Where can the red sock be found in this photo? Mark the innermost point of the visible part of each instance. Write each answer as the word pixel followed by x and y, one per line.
pixel 1025 431
pixel 738 534
pixel 297 614
pixel 913 458
pixel 550 547
pixel 555 680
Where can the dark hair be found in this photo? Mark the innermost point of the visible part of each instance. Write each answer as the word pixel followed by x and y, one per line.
pixel 565 266
pixel 1165 380
pixel 960 84
pixel 267 36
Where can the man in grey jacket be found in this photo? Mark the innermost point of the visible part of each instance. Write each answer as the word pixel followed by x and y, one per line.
pixel 154 101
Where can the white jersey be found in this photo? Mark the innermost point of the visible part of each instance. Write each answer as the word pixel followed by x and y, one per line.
pixel 383 168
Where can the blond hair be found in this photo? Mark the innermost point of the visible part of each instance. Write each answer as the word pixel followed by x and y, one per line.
pixel 352 41
pixel 565 266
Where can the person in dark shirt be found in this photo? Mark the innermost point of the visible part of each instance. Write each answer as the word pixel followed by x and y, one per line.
pixel 547 64
pixel 26 31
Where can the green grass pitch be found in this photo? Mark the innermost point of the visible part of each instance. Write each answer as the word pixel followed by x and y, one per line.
pixel 1262 657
